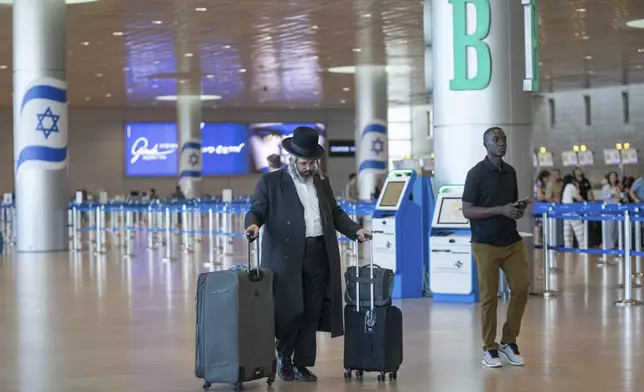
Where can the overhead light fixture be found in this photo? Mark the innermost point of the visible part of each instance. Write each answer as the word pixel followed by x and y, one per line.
pixel 581 10
pixel 627 146
pixel 589 57
pixel 189 54
pixel 226 46
pixel 3 67
pixel 67 1
pixel 582 147
pixel 346 89
pixel 585 37
pixel 542 150
pixel 108 95
pixel 99 75
pixel 242 70
pixel 201 9
pixel 85 43
pixel 640 50
pixel 314 27
pixel 117 33
pixel 366 16
pixel 351 69
pixel 618 146
pixel 157 22
pixel 357 50
pixel 343 101
pixel 575 148
pixel 636 23
pixel 210 76
pixel 202 97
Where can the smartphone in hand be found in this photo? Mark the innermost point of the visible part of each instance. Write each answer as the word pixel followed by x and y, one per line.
pixel 523 203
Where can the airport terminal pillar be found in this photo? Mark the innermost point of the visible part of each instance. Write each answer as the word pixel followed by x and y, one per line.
pixel 189 119
pixel 371 137
pixel 40 125
pixel 478 67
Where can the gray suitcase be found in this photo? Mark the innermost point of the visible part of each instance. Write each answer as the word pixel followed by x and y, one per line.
pixel 235 340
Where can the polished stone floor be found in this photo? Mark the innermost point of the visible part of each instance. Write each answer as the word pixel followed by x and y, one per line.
pixel 77 322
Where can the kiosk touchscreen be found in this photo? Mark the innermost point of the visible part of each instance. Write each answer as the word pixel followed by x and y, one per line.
pixel 397 233
pixel 453 273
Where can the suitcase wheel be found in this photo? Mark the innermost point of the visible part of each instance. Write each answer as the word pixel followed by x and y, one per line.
pixel 348 374
pixel 206 386
pixel 271 380
pixel 238 387
pixel 382 376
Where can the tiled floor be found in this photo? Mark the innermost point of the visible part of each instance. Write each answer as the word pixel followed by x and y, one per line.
pixel 75 322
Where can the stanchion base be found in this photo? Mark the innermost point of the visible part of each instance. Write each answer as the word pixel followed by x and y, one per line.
pixel 637 275
pixel 622 303
pixel 547 294
pixel 633 285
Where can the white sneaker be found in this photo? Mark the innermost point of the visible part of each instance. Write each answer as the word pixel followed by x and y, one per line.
pixel 510 353
pixel 491 359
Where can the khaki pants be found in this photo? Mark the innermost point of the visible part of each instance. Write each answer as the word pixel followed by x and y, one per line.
pixel 512 260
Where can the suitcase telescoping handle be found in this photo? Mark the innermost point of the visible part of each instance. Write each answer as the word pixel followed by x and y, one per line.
pixel 255 275
pixel 356 257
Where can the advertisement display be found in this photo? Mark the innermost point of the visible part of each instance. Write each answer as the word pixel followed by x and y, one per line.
pixel 151 150
pixel 266 138
pixel 224 149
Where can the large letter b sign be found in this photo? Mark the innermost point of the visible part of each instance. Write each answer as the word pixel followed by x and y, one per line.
pixel 463 41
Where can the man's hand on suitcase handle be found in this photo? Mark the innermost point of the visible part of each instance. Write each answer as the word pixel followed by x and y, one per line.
pixel 252 232
pixel 364 235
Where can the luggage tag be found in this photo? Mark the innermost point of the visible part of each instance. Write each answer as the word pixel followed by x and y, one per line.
pixel 370 322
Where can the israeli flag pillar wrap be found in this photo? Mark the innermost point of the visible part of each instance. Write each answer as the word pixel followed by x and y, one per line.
pixel 371 135
pixel 40 125
pixel 189 114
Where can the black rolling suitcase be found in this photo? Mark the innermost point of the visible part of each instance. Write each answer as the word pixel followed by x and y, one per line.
pixel 235 326
pixel 373 337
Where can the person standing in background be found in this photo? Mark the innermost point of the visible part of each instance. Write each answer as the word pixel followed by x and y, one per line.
pixel 351 189
pixel 611 194
pixel 571 195
pixel 554 187
pixel 585 189
pixel 274 162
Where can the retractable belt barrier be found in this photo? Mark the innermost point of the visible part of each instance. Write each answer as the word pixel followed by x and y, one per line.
pixel 628 219
pixel 101 227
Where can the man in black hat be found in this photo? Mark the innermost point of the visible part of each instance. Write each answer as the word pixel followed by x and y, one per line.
pixel 298 212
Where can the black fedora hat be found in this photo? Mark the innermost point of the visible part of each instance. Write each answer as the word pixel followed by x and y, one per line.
pixel 304 143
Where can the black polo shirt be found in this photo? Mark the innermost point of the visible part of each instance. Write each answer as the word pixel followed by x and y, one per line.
pixel 487 186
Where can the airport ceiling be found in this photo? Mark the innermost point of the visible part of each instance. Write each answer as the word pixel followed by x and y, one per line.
pixel 277 53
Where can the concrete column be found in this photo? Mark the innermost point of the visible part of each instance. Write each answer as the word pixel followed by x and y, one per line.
pixel 371 100
pixel 189 109
pixel 40 125
pixel 477 58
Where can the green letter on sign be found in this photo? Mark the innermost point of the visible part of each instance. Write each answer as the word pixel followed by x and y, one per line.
pixel 462 41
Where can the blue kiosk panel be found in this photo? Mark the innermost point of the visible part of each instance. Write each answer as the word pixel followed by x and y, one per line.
pixel 397 228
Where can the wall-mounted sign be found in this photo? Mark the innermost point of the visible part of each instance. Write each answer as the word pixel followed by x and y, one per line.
pixel 585 158
pixel 612 157
pixel 569 158
pixel 342 148
pixel 629 157
pixel 546 159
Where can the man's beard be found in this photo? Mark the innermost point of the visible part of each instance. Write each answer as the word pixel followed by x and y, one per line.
pixel 306 174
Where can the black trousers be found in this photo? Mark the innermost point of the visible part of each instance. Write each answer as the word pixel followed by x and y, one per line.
pixel 300 342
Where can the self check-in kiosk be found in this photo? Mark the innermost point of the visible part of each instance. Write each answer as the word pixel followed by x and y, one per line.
pixel 397 233
pixel 452 269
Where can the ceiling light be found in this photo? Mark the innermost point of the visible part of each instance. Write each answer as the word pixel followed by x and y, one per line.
pixel 157 22
pixel 210 76
pixel 189 55
pixel 242 70
pixel 366 16
pixel 174 97
pixel 636 24
pixel 346 89
pixel 117 33
pixel 99 75
pixel 357 50
pixel 85 43
pixel 67 1
pixel 201 9
pixel 581 10
pixel 108 95
pixel 589 57
pixel 315 27
pixel 3 67
pixel 343 101
pixel 640 50
pixel 88 98
pixel 585 37
pixel 226 46
pixel 350 69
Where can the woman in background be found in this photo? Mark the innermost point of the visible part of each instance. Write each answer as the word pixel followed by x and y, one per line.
pixel 576 227
pixel 611 194
pixel 539 196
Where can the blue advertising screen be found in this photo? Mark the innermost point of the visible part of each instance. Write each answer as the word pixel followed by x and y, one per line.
pixel 151 149
pixel 224 149
pixel 266 139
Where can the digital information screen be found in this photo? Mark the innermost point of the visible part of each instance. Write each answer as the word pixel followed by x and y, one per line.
pixel 342 148
pixel 266 139
pixel 151 150
pixel 224 149
pixel 451 212
pixel 392 194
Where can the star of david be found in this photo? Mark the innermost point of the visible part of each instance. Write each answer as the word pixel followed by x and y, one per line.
pixel 377 146
pixel 54 123
pixel 193 159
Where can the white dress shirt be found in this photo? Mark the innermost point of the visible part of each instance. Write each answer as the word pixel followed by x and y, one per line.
pixel 309 199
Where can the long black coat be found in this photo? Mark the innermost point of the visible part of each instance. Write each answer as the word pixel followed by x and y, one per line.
pixel 276 206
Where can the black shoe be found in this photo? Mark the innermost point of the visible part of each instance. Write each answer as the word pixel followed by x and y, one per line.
pixel 304 374
pixel 285 369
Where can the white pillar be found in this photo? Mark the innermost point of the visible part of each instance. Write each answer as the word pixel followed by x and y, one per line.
pixel 478 61
pixel 189 120
pixel 371 101
pixel 40 125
